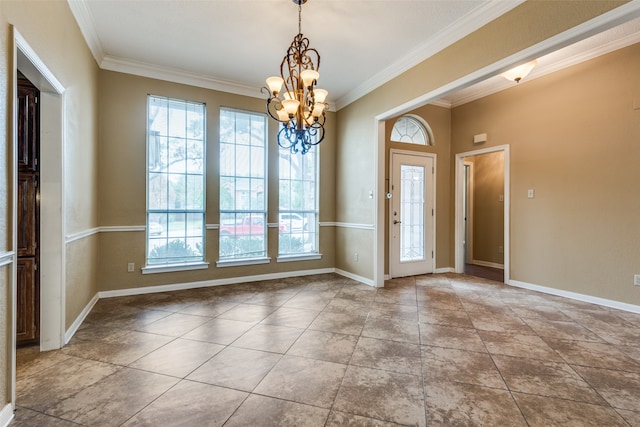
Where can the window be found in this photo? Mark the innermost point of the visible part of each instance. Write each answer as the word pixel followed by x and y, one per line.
pixel 175 181
pixel 243 215
pixel 413 130
pixel 298 194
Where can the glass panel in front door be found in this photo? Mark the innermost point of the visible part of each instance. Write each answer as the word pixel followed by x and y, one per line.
pixel 412 213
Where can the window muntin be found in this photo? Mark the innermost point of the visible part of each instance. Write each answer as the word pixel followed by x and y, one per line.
pixel 411 130
pixel 298 200
pixel 243 214
pixel 176 145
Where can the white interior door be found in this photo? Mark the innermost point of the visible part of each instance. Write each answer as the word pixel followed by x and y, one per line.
pixel 411 216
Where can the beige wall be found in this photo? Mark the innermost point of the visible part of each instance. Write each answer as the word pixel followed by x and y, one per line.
pixel 574 140
pixel 439 120
pixel 488 208
pixel 536 21
pixel 122 188
pixel 50 29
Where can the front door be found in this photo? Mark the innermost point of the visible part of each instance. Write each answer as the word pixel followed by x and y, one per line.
pixel 411 215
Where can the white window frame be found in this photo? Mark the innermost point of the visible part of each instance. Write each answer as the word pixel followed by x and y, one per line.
pixel 242 214
pixel 423 128
pixel 287 228
pixel 196 262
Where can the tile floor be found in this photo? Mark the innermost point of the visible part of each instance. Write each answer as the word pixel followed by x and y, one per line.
pixel 327 351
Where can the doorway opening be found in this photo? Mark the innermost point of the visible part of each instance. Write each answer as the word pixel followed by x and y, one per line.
pixel 482 213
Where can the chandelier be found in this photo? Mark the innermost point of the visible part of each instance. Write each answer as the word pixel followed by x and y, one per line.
pixel 300 106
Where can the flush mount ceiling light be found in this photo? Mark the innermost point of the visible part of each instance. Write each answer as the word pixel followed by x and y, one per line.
pixel 520 72
pixel 300 106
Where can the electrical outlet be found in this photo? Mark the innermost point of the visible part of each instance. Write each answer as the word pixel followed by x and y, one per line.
pixel 500 249
pixel 131 267
pixel 530 193
pixel 636 279
pixel 355 256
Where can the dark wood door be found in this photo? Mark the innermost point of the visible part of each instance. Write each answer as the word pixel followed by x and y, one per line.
pixel 28 214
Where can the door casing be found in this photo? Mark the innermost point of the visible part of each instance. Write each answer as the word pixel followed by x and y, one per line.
pixel 459 207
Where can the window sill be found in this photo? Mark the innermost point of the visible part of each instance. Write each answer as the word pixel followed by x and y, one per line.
pixel 302 257
pixel 241 262
pixel 168 268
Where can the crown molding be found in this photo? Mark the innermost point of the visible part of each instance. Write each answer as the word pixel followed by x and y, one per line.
pixel 501 84
pixel 87 25
pixel 461 28
pixel 177 76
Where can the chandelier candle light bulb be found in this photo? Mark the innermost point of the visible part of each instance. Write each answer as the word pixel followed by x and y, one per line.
pixel 301 107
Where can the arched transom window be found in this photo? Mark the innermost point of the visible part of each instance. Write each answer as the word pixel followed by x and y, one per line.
pixel 412 130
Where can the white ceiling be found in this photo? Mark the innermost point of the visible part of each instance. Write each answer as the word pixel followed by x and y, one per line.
pixel 233 45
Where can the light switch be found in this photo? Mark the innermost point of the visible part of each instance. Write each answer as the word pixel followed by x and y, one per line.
pixel 530 193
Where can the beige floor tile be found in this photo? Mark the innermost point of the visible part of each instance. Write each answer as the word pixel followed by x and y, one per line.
pixel 341 419
pixel 209 308
pixel 31 361
pixel 497 323
pixel 395 330
pixel 512 344
pixel 308 301
pixel 219 331
pixel 453 365
pixel 444 346
pixel 120 348
pixel 272 338
pixel 620 389
pixel 338 323
pixel 444 317
pixel 269 412
pixel 451 337
pixel 545 411
pixel 382 395
pixel 404 296
pixel 24 417
pixel 293 317
pixel 178 358
pixel 593 354
pixel 271 298
pixel 387 355
pixel 561 330
pixel 545 378
pixel 632 417
pixel 457 404
pixel 175 325
pixel 57 382
pixel 394 311
pixel 190 404
pixel 349 306
pixel 237 368
pixel 113 400
pixel 302 380
pixel 248 312
pixel 327 346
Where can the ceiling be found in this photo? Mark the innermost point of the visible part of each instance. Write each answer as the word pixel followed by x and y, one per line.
pixel 233 45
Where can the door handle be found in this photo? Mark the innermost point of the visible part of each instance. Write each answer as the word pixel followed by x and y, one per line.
pixel 395 221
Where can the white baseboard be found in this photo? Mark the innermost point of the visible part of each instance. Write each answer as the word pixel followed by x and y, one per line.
pixel 443 270
pixel 488 264
pixel 361 279
pixel 6 415
pixel 83 315
pixel 208 283
pixel 576 296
